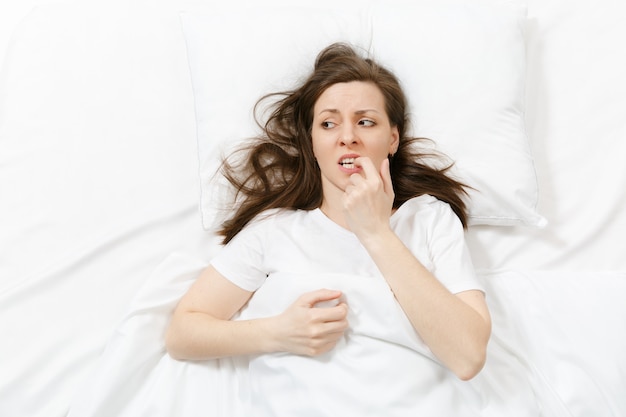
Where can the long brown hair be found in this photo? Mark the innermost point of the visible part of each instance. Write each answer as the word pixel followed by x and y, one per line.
pixel 278 168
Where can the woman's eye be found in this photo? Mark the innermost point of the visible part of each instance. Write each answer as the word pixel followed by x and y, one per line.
pixel 328 125
pixel 366 122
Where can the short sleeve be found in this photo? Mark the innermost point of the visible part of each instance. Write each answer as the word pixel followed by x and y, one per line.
pixel 452 264
pixel 241 260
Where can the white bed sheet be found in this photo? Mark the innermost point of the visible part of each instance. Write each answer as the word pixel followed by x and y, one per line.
pixel 576 102
pixel 98 186
pixel 567 330
pixel 546 358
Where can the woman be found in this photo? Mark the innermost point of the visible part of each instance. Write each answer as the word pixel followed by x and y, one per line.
pixel 334 198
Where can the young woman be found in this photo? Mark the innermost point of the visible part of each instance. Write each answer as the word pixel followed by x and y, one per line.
pixel 335 202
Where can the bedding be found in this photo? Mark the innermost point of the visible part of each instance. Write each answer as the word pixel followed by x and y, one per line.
pixel 102 217
pixel 282 384
pixel 462 65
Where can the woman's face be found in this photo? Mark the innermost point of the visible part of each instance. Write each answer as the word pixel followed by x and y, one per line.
pixel 350 121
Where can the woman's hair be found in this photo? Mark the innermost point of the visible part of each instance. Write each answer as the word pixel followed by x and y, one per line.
pixel 278 168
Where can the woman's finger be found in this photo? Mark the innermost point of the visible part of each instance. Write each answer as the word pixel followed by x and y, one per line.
pixel 309 299
pixel 369 170
pixel 385 174
pixel 335 313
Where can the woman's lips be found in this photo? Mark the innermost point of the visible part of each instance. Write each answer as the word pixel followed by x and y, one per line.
pixel 347 163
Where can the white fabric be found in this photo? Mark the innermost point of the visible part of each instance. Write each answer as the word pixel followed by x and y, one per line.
pixel 463 66
pixel 576 97
pixel 136 378
pixel 567 330
pixel 298 240
pixel 98 172
pixel 225 94
pixel 98 184
pixel 383 365
pixel 379 367
pixel 462 63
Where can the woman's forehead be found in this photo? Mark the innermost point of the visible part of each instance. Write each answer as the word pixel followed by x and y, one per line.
pixel 354 96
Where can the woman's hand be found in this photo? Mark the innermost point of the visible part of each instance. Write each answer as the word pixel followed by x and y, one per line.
pixel 310 328
pixel 368 199
pixel 202 326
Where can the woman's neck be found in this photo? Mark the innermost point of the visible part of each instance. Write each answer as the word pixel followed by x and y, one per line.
pixel 335 213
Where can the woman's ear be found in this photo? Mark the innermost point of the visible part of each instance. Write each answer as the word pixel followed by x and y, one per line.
pixel 395 140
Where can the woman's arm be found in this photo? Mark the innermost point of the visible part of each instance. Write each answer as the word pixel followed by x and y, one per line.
pixel 455 327
pixel 201 326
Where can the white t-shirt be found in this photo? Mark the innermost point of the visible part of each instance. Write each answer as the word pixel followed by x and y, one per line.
pixel 381 366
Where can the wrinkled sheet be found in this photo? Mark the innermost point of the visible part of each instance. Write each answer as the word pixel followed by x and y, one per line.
pixel 136 377
pixel 99 204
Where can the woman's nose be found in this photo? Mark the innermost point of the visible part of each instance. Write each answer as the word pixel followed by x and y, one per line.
pixel 348 135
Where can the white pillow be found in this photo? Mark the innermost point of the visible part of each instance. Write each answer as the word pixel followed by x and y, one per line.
pixel 462 64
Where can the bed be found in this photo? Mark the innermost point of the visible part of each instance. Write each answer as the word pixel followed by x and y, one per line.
pixel 108 117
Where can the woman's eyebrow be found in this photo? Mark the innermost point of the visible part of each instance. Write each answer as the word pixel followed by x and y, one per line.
pixel 329 111
pixel 356 112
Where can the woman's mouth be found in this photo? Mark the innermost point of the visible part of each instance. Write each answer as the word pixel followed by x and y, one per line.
pixel 347 163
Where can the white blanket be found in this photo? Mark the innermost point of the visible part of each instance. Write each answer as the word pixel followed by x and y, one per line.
pixel 379 367
pixel 98 184
pixel 136 377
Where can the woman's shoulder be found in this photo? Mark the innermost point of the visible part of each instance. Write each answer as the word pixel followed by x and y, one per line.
pixel 275 216
pixel 424 203
pixel 426 218
pixel 427 211
pixel 265 225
